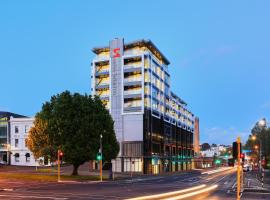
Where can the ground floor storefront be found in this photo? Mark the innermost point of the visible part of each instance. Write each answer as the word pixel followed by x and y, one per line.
pixel 150 165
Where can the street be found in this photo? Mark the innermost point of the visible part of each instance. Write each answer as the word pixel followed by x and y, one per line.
pixel 186 185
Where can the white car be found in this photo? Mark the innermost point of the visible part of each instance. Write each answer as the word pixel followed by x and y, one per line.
pixel 247 168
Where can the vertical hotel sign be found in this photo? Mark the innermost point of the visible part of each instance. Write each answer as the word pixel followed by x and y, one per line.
pixel 116 53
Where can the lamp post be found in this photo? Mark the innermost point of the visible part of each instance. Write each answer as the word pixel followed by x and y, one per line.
pixel 262 124
pixel 100 162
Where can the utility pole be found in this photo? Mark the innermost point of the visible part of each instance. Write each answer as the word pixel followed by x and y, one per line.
pixel 58 163
pixel 238 169
pixel 100 161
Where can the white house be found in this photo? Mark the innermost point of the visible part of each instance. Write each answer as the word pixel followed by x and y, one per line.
pixel 20 154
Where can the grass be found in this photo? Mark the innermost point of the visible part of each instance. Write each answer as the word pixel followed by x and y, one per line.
pixel 47 170
pixel 46 177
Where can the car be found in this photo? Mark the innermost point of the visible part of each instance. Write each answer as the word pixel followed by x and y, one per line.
pixel 247 168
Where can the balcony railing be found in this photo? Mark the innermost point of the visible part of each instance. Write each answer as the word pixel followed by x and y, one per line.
pixel 126 80
pixel 129 92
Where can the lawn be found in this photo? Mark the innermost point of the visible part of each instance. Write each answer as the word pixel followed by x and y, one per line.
pixel 46 177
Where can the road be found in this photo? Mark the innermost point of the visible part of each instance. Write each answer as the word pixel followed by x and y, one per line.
pixel 213 185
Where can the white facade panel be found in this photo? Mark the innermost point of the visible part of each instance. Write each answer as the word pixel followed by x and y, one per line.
pixel 133 127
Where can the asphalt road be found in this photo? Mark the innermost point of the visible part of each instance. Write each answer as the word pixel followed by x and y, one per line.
pixel 215 186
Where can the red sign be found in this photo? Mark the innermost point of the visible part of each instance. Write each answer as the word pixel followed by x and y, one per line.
pixel 116 53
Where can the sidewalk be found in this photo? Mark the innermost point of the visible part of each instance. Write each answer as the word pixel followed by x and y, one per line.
pixel 252 182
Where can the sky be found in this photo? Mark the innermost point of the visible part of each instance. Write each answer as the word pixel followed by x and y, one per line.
pixel 219 54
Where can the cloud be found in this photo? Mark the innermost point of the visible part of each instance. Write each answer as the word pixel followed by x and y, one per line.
pixel 219 135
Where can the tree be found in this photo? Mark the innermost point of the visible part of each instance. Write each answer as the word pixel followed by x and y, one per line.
pixel 261 134
pixel 205 146
pixel 73 123
pixel 38 140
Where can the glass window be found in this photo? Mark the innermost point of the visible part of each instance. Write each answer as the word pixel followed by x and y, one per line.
pixel 154 104
pixel 17 157
pixel 3 131
pixel 27 157
pixel 26 128
pixel 16 142
pixel 16 129
pixel 147 77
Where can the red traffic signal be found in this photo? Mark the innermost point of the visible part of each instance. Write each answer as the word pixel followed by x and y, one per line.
pixel 60 155
pixel 242 156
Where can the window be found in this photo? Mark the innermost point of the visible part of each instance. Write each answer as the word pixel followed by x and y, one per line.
pixel 17 157
pixel 27 157
pixel 26 129
pixel 16 142
pixel 16 129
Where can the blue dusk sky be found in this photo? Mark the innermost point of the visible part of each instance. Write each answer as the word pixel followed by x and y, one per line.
pixel 219 53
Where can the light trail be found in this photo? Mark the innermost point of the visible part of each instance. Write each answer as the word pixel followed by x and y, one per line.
pixel 163 195
pixel 193 193
pixel 216 171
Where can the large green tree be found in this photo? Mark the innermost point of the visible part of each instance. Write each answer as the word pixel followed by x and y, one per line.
pixel 262 137
pixel 73 123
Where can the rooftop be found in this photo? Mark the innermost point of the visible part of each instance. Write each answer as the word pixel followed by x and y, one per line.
pixel 10 114
pixel 147 43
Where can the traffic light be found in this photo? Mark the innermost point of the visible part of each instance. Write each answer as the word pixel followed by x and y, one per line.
pixel 242 156
pixel 61 154
pixel 99 156
pixel 235 150
pixel 218 161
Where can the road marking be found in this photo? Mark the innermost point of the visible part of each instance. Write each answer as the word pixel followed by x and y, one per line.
pixel 167 193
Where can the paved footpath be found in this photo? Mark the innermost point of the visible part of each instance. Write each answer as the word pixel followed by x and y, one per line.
pixel 253 186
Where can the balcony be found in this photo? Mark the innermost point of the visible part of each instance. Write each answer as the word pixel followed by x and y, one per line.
pixel 131 94
pixel 132 68
pixel 102 85
pixel 103 72
pixel 104 96
pixel 133 107
pixel 132 81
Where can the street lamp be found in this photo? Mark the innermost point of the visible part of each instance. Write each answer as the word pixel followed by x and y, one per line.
pixel 262 123
pixel 100 151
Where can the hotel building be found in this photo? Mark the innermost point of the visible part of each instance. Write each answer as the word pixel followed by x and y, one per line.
pixel 152 124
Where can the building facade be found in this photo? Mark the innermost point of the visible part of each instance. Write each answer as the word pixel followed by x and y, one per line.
pixel 20 154
pixel 152 124
pixel 5 135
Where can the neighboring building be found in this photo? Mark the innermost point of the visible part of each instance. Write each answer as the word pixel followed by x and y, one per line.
pixel 214 151
pixel 196 137
pixel 19 129
pixel 5 135
pixel 152 124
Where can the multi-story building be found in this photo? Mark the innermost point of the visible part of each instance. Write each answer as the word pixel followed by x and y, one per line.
pixel 5 136
pixel 152 124
pixel 21 155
